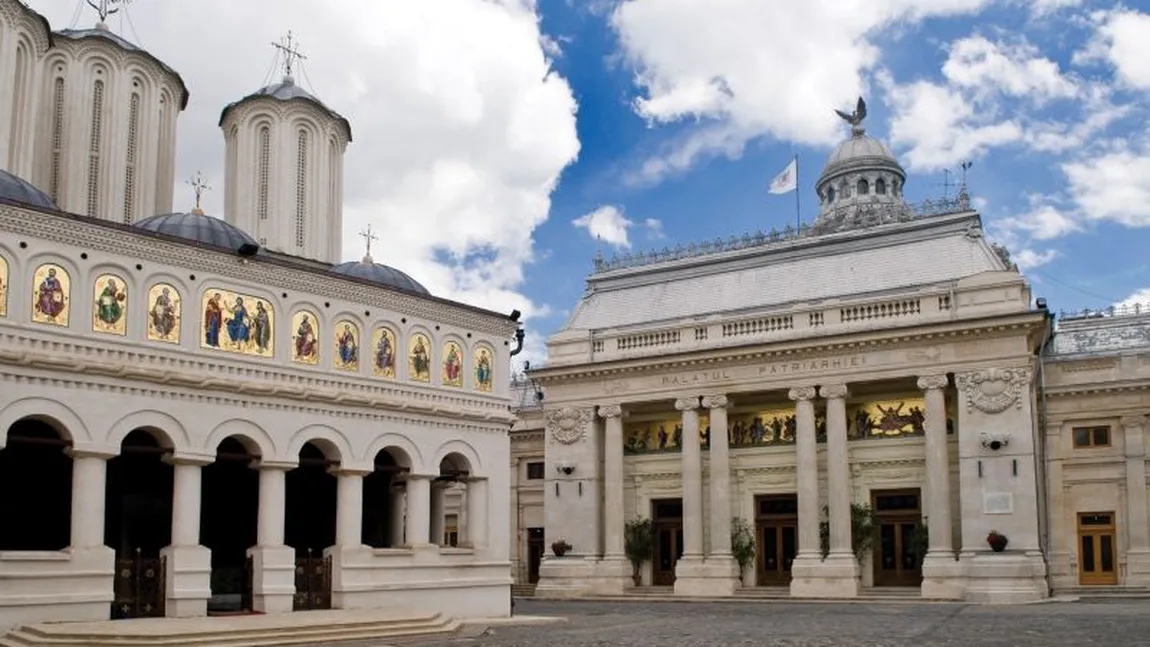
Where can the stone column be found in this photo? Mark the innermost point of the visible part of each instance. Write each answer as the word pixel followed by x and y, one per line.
pixel 1137 525
pixel 273 563
pixel 398 513
pixel 188 565
pixel 89 480
pixel 418 510
pixel 722 566
pixel 692 455
pixel 477 512
pixel 807 470
pixel 349 508
pixel 613 523
pixel 838 471
pixel 438 506
pixel 941 575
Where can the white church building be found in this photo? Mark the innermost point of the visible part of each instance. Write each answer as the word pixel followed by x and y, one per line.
pixel 204 414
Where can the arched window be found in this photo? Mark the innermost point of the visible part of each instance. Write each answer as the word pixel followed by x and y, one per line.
pixel 57 135
pixel 880 186
pixel 863 187
pixel 130 159
pixel 36 477
pixel 830 194
pixel 94 145
pixel 301 189
pixel 262 164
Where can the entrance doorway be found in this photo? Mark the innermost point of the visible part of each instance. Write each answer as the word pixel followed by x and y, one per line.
pixel 138 523
pixel 534 554
pixel 667 524
pixel 310 526
pixel 898 515
pixel 777 531
pixel 230 508
pixel 1096 549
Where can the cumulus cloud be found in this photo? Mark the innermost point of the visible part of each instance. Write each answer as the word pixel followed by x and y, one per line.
pixel 1028 259
pixel 742 69
pixel 1140 298
pixel 1122 39
pixel 1112 186
pixel 608 224
pixel 462 128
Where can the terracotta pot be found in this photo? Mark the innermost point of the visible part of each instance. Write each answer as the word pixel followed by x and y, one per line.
pixel 998 544
pixel 637 579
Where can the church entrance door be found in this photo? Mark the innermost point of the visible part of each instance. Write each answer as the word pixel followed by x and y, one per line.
pixel 777 523
pixel 228 523
pixel 1096 549
pixel 138 524
pixel 534 554
pixel 667 524
pixel 896 558
pixel 310 526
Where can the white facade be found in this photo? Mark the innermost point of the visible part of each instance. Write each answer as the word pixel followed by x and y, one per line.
pixel 24 39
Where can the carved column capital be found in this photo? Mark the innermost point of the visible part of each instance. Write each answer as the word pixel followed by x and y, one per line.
pixel 1132 421
pixel 928 382
pixel 687 404
pixel 802 393
pixel 610 411
pixel 716 401
pixel 831 391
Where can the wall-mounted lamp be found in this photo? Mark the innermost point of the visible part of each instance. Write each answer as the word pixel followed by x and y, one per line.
pixel 995 441
pixel 567 468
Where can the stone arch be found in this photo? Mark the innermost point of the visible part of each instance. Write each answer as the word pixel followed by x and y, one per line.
pixel 61 418
pixel 412 458
pixel 168 431
pixel 461 449
pixel 252 436
pixel 332 442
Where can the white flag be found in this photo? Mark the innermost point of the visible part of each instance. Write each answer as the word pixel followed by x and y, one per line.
pixel 788 180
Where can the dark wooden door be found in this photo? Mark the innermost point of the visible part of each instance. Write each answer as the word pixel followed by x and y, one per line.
pixel 534 554
pixel 312 583
pixel 778 543
pixel 138 590
pixel 1096 562
pixel 896 558
pixel 668 550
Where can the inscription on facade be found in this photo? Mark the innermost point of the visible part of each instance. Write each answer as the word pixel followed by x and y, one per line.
pixel 997 502
pixel 696 378
pixel 776 368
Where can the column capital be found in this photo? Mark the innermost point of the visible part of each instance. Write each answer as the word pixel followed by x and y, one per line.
pixel 474 479
pixel 687 404
pixel 832 391
pixel 283 466
pixel 610 411
pixel 928 382
pixel 802 393
pixel 1132 421
pixel 716 401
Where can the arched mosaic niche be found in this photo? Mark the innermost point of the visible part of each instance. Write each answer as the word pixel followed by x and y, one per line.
pixel 452 363
pixel 51 295
pixel 346 356
pixel 237 323
pixel 110 305
pixel 164 313
pixel 483 364
pixel 384 346
pixel 305 337
pixel 419 358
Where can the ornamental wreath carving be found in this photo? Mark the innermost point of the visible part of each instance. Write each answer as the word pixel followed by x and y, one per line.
pixel 569 425
pixel 994 390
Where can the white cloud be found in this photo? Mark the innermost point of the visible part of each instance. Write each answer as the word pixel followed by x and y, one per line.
pixel 1015 69
pixel 1028 258
pixel 1112 186
pixel 744 69
pixel 1139 298
pixel 1043 8
pixel 461 127
pixel 608 224
pixel 1122 39
pixel 1043 222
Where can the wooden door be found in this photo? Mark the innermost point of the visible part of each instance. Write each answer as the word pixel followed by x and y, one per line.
pixel 1096 549
pixel 778 543
pixel 534 554
pixel 896 558
pixel 668 550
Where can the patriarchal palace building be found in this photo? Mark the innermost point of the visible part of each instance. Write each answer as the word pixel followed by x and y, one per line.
pixel 874 400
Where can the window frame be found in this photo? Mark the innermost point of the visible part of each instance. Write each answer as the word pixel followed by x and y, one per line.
pixel 531 467
pixel 1091 436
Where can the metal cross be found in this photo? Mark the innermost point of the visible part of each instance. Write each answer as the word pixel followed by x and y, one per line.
pixel 368 237
pixel 290 50
pixel 199 186
pixel 107 7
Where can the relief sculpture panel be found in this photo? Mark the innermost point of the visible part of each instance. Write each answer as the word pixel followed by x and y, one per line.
pixel 237 323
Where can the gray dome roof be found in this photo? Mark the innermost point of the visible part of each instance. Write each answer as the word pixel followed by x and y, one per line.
pixel 200 228
pixel 102 32
pixel 382 274
pixel 16 189
pixel 860 152
pixel 287 90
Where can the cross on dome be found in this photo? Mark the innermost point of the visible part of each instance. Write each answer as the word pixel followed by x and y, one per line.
pixel 106 8
pixel 199 186
pixel 368 238
pixel 290 51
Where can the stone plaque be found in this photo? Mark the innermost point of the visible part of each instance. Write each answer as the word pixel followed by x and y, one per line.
pixel 997 502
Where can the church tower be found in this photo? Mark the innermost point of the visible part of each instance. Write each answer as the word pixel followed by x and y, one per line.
pixel 283 177
pixel 24 39
pixel 106 137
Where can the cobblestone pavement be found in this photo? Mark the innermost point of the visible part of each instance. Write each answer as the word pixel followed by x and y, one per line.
pixel 790 624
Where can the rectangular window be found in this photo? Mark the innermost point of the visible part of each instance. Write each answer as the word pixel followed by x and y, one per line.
pixel 535 471
pixel 1092 436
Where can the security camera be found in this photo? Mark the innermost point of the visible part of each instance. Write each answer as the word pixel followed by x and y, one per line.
pixel 995 441
pixel 566 468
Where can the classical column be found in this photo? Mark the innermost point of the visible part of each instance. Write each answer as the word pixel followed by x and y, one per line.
pixel 273 493
pixel 613 523
pixel 438 505
pixel 273 563
pixel 398 503
pixel 807 469
pixel 89 478
pixel 187 564
pixel 692 480
pixel 720 477
pixel 349 507
pixel 838 471
pixel 937 467
pixel 418 509
pixel 186 489
pixel 477 512
pixel 1137 525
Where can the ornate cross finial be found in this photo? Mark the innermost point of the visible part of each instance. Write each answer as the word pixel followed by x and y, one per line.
pixel 199 186
pixel 368 238
pixel 106 8
pixel 290 51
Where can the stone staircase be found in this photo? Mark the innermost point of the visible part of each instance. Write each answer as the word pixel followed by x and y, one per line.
pixel 301 628
pixel 1105 592
pixel 522 590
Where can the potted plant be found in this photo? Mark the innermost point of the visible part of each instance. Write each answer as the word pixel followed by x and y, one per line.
pixel 742 544
pixel 997 541
pixel 560 547
pixel 639 545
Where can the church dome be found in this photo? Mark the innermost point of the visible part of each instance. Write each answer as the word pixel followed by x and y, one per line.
pixel 369 270
pixel 861 151
pixel 199 228
pixel 17 189
pixel 102 33
pixel 287 90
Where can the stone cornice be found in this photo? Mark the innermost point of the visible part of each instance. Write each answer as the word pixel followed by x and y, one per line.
pixel 1097 388
pixel 117 239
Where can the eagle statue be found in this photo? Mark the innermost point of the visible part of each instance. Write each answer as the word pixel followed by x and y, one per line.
pixel 855 119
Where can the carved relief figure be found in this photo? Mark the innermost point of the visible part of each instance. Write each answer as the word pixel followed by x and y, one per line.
pixel 50 299
pixel 483 377
pixel 452 364
pixel 383 359
pixel 886 419
pixel 3 287
pixel 164 313
pixel 347 346
pixel 419 359
pixel 110 303
pixel 231 323
pixel 305 346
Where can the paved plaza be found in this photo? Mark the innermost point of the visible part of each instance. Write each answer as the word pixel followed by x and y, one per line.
pixel 792 624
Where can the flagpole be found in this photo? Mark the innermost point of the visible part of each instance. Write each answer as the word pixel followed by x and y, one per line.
pixel 798 190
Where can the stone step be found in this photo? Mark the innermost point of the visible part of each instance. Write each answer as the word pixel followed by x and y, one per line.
pixel 1105 592
pixel 764 592
pixel 240 631
pixel 522 590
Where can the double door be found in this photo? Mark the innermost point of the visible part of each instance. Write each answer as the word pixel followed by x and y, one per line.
pixel 896 558
pixel 668 550
pixel 778 544
pixel 1096 549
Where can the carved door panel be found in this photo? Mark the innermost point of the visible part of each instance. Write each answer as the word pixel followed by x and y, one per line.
pixel 138 590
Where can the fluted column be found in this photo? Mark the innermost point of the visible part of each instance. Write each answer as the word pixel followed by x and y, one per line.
pixel 692 479
pixel 807 468
pixel 613 523
pixel 720 477
pixel 349 507
pixel 477 512
pixel 419 509
pixel 838 470
pixel 89 479
pixel 398 513
pixel 937 466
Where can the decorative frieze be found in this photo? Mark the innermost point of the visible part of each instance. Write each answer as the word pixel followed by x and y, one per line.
pixel 569 424
pixel 994 390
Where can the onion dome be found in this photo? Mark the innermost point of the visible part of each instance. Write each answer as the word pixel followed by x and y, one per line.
pixel 196 226
pixel 369 270
pixel 17 189
pixel 287 90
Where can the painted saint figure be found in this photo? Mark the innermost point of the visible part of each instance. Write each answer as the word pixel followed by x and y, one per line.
pixel 384 355
pixel 305 342
pixel 420 361
pixel 239 326
pixel 51 300
pixel 163 315
pixel 483 370
pixel 261 328
pixel 110 307
pixel 452 366
pixel 213 321
pixel 347 348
